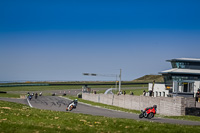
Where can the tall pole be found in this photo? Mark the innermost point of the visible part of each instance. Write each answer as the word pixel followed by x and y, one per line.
pixel 120 80
pixel 116 82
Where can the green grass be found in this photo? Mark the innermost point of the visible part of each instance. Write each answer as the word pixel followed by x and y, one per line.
pixel 187 117
pixel 19 118
pixel 58 87
pixel 136 92
pixel 122 86
pixel 10 95
pixel 38 88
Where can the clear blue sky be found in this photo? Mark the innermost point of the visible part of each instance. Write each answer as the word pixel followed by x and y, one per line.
pixel 60 40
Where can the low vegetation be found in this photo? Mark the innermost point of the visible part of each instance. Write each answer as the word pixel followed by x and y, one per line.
pixel 9 95
pixel 136 92
pixel 61 87
pixel 187 117
pixel 20 118
pixel 39 88
pixel 149 79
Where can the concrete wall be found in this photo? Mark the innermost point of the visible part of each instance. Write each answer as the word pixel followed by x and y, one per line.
pixel 166 105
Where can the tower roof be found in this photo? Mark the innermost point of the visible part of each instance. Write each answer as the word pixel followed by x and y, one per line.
pixel 181 71
pixel 185 59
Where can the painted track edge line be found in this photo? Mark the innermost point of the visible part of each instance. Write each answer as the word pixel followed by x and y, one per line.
pixel 29 103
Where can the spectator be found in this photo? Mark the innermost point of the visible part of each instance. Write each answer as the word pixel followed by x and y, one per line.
pixel 131 93
pixel 144 93
pixel 124 92
pixel 198 95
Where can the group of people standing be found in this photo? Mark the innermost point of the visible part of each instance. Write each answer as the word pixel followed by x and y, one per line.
pixel 121 93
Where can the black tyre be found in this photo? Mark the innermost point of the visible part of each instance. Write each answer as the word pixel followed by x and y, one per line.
pixel 141 115
pixel 71 107
pixel 151 115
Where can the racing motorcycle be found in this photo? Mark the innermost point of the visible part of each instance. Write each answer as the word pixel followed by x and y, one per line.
pixel 148 112
pixel 72 105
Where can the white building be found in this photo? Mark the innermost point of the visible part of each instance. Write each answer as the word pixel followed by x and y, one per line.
pixel 182 80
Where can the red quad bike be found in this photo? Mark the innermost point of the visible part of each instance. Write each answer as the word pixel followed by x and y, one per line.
pixel 148 112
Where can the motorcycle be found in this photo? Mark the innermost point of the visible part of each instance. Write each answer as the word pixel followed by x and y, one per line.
pixel 71 106
pixel 148 112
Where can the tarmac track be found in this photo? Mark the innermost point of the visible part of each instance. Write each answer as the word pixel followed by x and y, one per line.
pixel 59 104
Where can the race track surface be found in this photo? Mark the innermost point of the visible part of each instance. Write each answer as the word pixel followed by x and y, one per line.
pixel 60 104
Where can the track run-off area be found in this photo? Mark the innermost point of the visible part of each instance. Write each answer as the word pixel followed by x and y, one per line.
pixel 56 103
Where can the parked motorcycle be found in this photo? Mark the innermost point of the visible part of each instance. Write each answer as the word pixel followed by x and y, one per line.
pixel 148 112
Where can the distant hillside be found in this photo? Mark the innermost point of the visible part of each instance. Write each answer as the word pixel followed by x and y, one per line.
pixel 150 78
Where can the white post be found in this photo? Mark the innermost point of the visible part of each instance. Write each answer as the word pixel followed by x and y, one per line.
pixel 116 82
pixel 120 80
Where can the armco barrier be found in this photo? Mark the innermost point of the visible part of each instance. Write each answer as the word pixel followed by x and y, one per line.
pixel 166 105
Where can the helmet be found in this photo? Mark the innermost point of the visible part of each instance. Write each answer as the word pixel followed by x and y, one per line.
pixel 76 100
pixel 155 106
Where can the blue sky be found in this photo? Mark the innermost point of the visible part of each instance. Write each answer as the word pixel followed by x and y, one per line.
pixel 60 40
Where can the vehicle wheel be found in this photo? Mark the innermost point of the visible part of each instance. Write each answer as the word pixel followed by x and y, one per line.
pixel 151 115
pixel 71 107
pixel 141 115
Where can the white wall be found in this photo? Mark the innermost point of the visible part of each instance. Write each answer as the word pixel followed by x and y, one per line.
pixel 159 90
pixel 196 87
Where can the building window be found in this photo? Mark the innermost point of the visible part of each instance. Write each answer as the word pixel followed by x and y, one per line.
pixel 180 64
pixel 163 94
pixel 187 87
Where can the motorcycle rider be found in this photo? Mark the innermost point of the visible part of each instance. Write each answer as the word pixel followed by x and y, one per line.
pixel 75 103
pixel 154 106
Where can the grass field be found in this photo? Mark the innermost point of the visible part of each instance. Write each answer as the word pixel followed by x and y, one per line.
pixel 136 92
pixel 19 118
pixel 39 88
pixel 9 95
pixel 59 87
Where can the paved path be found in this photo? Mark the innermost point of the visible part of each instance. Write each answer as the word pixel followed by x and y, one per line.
pixel 60 104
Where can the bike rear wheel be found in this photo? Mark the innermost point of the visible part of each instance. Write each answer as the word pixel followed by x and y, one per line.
pixel 151 115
